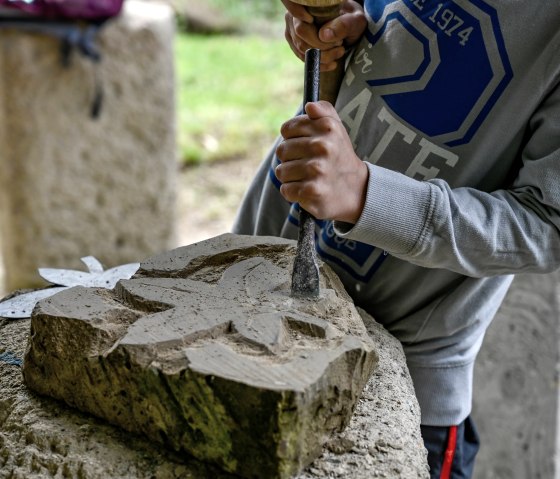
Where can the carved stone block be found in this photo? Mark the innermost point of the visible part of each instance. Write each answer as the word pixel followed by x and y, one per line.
pixel 205 350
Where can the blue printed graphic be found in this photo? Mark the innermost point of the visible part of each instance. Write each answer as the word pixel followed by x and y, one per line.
pixel 359 260
pixel 421 69
pixel 454 63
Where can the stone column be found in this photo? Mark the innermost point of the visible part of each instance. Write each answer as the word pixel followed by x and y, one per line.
pixel 516 402
pixel 72 185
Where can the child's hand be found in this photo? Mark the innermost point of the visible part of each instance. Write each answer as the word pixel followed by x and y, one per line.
pixel 319 168
pixel 331 38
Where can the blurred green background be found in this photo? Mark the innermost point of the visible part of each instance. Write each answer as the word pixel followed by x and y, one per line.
pixel 238 80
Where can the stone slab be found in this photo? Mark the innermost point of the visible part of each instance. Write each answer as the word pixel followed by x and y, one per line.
pixel 41 438
pixel 72 185
pixel 205 351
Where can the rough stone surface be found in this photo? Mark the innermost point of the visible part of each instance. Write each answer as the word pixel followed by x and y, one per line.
pixel 382 439
pixel 516 400
pixel 43 439
pixel 71 185
pixel 206 351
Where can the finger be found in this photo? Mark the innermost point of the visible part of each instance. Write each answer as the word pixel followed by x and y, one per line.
pixel 351 6
pixel 306 193
pixel 300 148
pixel 296 51
pixel 296 127
pixel 298 11
pixel 347 28
pixel 306 125
pixel 308 33
pixel 331 56
pixel 318 110
pixel 329 67
pixel 312 172
pixel 301 37
pixel 291 191
pixel 297 46
pixel 290 172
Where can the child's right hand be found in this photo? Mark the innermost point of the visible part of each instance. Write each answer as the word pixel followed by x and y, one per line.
pixel 332 38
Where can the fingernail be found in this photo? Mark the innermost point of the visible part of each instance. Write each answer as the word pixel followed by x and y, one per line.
pixel 327 35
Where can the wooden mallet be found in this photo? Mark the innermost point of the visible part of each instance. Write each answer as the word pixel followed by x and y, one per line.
pixel 324 11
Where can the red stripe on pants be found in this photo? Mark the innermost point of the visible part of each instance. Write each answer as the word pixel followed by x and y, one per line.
pixel 449 453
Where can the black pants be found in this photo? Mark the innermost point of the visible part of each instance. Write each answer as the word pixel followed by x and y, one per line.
pixel 451 450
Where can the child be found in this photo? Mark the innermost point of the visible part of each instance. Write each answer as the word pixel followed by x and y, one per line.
pixel 433 181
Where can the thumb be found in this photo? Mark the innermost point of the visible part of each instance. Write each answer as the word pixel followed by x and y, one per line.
pixel 346 28
pixel 320 109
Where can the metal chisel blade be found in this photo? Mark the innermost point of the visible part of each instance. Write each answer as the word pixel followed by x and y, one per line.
pixel 305 274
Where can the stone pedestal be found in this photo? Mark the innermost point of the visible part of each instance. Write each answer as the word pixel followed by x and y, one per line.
pixel 41 437
pixel 516 402
pixel 205 351
pixel 72 185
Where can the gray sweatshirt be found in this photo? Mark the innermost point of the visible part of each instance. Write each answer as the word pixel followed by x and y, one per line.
pixel 455 107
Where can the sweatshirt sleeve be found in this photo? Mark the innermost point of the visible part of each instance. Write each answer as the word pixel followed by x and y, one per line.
pixel 466 230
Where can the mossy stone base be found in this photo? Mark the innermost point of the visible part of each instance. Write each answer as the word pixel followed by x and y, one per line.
pixel 205 351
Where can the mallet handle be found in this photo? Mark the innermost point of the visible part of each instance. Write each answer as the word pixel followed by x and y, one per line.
pixel 324 11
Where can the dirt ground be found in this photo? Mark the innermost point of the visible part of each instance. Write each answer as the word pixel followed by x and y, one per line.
pixel 209 196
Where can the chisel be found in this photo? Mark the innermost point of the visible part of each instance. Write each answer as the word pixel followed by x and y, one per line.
pixel 305 274
pixel 324 86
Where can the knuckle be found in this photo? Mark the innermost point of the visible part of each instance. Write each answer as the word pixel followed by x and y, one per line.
pixel 326 124
pixel 286 128
pixel 312 192
pixel 300 28
pixel 318 147
pixel 278 171
pixel 328 56
pixel 300 45
pixel 280 151
pixel 286 192
pixel 288 36
pixel 315 168
pixel 338 53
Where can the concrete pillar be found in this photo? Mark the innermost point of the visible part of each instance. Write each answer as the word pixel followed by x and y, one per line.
pixel 72 185
pixel 516 404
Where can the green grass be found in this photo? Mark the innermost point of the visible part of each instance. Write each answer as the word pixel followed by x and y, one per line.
pixel 234 94
pixel 249 8
pixel 246 10
pixel 253 14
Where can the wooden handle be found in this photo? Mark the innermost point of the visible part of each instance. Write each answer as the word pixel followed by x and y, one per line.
pixel 324 11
